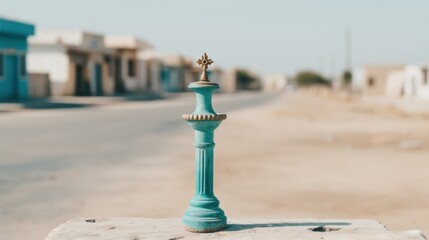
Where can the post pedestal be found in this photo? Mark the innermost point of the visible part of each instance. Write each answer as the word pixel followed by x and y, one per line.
pixel 204 214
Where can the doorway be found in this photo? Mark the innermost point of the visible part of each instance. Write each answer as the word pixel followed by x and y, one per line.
pixel 119 84
pixel 98 79
pixel 9 83
pixel 81 87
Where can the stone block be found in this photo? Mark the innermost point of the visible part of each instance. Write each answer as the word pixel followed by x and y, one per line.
pixel 173 229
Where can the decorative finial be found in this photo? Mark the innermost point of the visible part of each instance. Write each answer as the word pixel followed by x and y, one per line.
pixel 204 62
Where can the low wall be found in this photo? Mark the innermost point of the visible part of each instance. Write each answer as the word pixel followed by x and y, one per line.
pixel 172 229
pixel 39 85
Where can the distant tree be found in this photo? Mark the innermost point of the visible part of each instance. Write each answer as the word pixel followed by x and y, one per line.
pixel 347 77
pixel 307 78
pixel 245 81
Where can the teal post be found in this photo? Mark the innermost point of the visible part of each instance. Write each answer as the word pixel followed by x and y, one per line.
pixel 204 214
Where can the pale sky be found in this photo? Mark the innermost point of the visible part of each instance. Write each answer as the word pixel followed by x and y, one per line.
pixel 279 37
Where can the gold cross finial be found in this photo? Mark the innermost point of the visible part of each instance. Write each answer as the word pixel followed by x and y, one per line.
pixel 204 62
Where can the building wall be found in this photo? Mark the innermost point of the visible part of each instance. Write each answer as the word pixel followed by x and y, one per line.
pixel 166 76
pixel 13 84
pixel 372 79
pixel 416 84
pixel 107 81
pixel 149 75
pixel 176 73
pixel 228 81
pixel 172 79
pixel 106 86
pixel 53 61
pixel 188 77
pixel 39 85
pixel 69 87
pixel 395 84
pixel 154 76
pixel 131 82
pixel 129 48
pixel 13 50
pixel 358 76
pixel 143 74
pixel 274 83
pixel 109 78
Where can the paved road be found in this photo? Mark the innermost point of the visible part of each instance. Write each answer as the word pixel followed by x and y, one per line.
pixel 38 147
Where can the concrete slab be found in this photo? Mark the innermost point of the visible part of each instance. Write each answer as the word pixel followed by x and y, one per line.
pixel 172 229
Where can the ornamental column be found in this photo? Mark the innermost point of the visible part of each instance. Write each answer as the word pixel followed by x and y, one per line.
pixel 204 214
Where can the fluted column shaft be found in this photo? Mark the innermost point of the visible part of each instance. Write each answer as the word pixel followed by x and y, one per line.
pixel 204 162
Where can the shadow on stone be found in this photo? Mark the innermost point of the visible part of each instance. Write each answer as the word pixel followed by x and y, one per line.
pixel 240 227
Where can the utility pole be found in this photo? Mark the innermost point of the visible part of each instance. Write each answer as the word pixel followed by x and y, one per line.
pixel 347 74
pixel 348 48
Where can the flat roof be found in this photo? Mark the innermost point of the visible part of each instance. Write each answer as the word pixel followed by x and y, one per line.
pixel 125 42
pixel 14 27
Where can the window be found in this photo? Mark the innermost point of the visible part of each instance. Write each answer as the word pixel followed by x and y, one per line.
pixel 22 65
pixel 1 65
pixel 131 68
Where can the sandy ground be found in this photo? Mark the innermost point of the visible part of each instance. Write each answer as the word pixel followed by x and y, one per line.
pixel 321 157
pixel 302 155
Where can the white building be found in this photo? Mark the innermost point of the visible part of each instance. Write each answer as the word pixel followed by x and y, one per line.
pixel 416 81
pixel 78 63
pixel 151 70
pixel 137 69
pixel 395 84
pixel 274 83
pixel 373 79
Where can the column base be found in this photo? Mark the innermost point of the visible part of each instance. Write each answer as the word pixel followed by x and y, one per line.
pixel 204 215
pixel 204 225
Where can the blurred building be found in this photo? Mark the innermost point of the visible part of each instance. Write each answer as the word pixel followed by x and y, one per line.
pixel 237 79
pixel 39 85
pixel 152 66
pixel 176 72
pixel 214 74
pixel 135 70
pixel 373 79
pixel 275 83
pixel 77 62
pixel 395 84
pixel 416 81
pixel 13 51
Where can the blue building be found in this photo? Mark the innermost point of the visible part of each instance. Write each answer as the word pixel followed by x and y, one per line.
pixel 173 79
pixel 176 73
pixel 13 51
